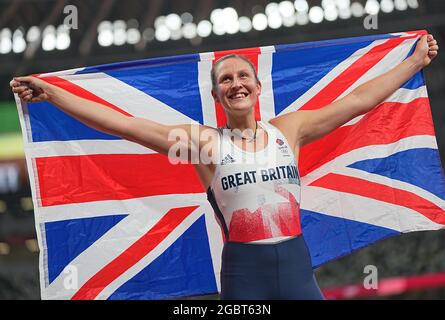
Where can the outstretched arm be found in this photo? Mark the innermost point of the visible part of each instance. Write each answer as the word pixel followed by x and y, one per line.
pixel 309 125
pixel 143 131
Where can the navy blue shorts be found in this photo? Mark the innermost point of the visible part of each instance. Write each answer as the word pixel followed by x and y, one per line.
pixel 268 271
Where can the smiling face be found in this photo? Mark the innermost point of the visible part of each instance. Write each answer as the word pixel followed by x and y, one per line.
pixel 236 86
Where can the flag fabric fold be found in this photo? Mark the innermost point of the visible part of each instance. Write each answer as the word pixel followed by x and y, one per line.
pixel 116 220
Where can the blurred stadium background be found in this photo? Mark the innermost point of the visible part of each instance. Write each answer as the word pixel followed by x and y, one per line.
pixel 33 38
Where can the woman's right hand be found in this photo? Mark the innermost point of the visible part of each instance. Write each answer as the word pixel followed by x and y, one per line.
pixel 30 89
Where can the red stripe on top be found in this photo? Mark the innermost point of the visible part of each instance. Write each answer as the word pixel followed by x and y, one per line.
pixel 385 124
pixel 354 72
pixel 252 55
pixel 381 192
pixel 81 92
pixel 134 253
pixel 74 179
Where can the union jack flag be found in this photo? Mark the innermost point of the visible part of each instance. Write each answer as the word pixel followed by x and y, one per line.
pixel 116 220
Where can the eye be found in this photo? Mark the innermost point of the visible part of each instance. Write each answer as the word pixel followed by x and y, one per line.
pixel 225 79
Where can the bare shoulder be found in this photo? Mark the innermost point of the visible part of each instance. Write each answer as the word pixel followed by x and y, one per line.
pixel 196 132
pixel 209 129
pixel 207 133
pixel 289 124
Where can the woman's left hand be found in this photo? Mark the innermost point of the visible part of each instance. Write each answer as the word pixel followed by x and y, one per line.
pixel 426 50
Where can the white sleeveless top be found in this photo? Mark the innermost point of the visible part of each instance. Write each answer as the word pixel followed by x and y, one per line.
pixel 256 195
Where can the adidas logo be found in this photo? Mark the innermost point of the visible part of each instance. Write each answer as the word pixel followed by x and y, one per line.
pixel 227 159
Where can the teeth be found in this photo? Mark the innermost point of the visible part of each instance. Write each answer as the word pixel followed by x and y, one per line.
pixel 239 96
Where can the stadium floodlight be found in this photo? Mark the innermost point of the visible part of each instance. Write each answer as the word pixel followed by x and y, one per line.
pixel 413 4
pixel 204 28
pixel 189 30
pixel 162 33
pixel 219 29
pixel 173 21
pixel 344 13
pixel 104 25
pixel 49 38
pixel 271 8
pixel 119 37
pixel 148 34
pixel 259 22
pixel 175 34
pixel 401 5
pixel 119 24
pixel 274 20
pixel 32 245
pixel 331 13
pixel 132 23
pixel 216 16
pixel 289 21
pixel 301 6
pixel 230 20
pixel 301 18
pixel 229 14
pixel 33 34
pixel 343 4
pixel 245 24
pixel 5 248
pixel 387 6
pixel 316 14
pixel 119 32
pixel 328 4
pixel 286 9
pixel 105 36
pixel 18 41
pixel 133 36
pixel 232 27
pixel 63 39
pixel 357 9
pixel 159 21
pixel 186 17
pixel 372 7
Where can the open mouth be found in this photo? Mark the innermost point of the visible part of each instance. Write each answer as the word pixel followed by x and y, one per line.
pixel 238 96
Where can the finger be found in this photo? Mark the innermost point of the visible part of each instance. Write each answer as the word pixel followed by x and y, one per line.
pixel 14 83
pixel 432 42
pixel 24 79
pixel 24 94
pixel 434 48
pixel 432 54
pixel 36 99
pixel 22 90
pixel 19 89
pixel 26 97
pixel 423 41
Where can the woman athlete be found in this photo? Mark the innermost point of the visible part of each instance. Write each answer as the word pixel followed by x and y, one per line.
pixel 253 182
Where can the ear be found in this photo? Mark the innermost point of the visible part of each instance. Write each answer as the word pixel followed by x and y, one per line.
pixel 215 96
pixel 259 87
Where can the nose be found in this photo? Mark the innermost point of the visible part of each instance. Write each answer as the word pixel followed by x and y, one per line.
pixel 236 83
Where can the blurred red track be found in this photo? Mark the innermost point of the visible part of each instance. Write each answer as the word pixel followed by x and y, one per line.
pixel 387 287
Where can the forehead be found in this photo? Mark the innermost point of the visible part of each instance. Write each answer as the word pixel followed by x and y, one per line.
pixel 233 65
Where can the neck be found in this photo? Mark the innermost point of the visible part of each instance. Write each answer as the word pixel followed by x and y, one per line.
pixel 246 124
pixel 242 123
